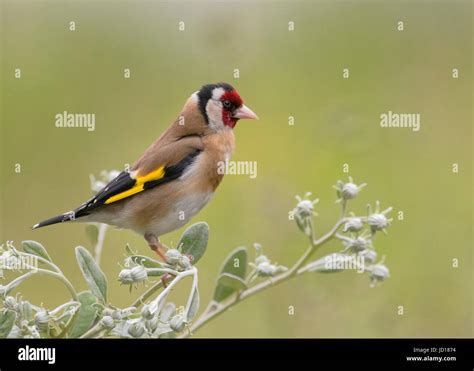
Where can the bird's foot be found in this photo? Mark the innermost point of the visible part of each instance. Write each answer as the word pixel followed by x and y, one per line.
pixel 190 257
pixel 164 279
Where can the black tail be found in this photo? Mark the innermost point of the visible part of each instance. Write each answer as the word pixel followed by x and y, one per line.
pixel 56 219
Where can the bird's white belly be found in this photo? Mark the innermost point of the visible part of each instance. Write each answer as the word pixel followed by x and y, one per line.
pixel 183 210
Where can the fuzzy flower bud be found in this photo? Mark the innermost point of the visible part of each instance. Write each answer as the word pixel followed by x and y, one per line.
pixel 146 313
pixel 107 322
pixel 303 212
pixel 125 276
pixel 177 323
pixel 261 259
pixel 305 207
pixel 152 324
pixel 10 302
pixel 116 315
pixel 347 191
pixel 357 244
pixel 369 256
pixel 266 269
pixel 185 262
pixel 42 319
pixel 378 222
pixel 353 225
pixel 173 256
pixel 138 274
pixel 136 330
pixel 378 273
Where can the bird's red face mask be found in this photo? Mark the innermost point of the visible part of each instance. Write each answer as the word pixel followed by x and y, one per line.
pixel 233 109
pixel 221 106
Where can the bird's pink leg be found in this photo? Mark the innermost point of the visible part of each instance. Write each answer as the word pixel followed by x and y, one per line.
pixel 156 245
pixel 159 249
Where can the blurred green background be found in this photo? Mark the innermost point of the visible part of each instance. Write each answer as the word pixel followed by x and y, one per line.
pixel 282 74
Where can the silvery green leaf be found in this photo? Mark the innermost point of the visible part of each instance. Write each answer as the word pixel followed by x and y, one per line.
pixel 162 329
pixel 129 250
pixel 86 315
pixel 168 335
pixel 145 261
pixel 68 322
pixel 154 272
pixel 94 276
pixel 35 248
pixel 177 323
pixel 121 329
pixel 193 302
pixel 234 282
pixel 26 310
pixel 235 265
pixel 167 312
pixel 7 320
pixel 194 241
pixel 15 333
pixel 92 232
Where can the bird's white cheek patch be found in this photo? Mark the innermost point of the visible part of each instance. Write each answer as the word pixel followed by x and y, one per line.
pixel 214 113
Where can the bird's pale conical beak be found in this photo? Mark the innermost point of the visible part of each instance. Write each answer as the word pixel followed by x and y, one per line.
pixel 245 113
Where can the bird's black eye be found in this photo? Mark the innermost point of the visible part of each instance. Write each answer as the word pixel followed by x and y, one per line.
pixel 227 104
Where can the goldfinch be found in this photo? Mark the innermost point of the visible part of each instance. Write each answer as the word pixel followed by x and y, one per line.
pixel 176 176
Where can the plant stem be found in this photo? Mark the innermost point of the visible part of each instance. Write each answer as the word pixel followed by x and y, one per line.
pixel 343 208
pixel 43 260
pixel 147 294
pixel 212 311
pixel 102 229
pixel 93 331
pixel 159 302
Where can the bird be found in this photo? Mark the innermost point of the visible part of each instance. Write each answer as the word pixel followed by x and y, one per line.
pixel 177 174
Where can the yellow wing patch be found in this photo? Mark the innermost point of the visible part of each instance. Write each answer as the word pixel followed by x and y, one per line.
pixel 138 187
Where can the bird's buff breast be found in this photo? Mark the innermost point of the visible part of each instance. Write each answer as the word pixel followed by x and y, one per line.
pixel 181 212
